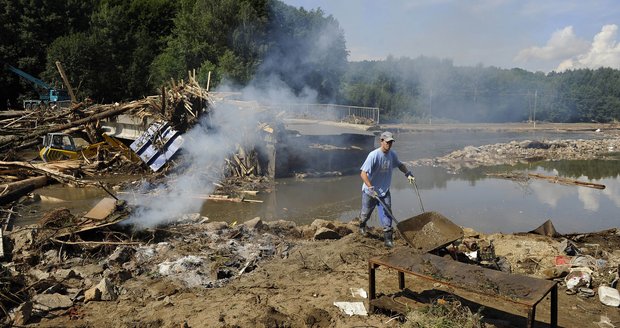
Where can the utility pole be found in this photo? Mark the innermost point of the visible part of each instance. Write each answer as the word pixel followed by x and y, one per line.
pixel 430 108
pixel 535 101
pixel 65 79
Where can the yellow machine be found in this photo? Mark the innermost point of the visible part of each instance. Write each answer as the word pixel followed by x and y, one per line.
pixel 61 146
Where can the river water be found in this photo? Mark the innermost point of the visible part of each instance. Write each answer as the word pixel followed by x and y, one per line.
pixel 469 198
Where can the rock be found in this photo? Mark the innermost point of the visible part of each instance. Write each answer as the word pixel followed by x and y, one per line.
pixel 307 232
pixel 51 256
pixel 281 224
pixel 320 223
pixel 88 270
pixel 555 272
pixel 50 302
pixel 22 314
pixel 254 224
pixel 104 291
pixel 107 290
pixel 38 274
pixel 92 294
pixel 22 239
pixel 343 230
pixel 121 255
pixel 326 233
pixel 62 274
pixel 117 275
pixel 191 217
pixel 469 232
pixel 216 226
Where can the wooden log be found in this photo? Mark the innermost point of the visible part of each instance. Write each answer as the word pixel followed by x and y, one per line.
pixel 554 179
pixel 37 182
pixel 24 141
pixel 15 194
pixel 49 170
pixel 566 181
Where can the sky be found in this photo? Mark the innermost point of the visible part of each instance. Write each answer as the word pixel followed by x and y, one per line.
pixel 535 35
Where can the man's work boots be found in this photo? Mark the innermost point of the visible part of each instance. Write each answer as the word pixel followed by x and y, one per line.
pixel 363 230
pixel 389 238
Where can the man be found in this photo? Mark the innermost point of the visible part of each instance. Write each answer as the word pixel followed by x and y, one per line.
pixel 376 173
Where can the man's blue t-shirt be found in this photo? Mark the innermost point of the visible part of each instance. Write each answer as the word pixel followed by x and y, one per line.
pixel 378 166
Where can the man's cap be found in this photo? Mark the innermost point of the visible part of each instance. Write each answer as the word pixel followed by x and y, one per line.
pixel 387 136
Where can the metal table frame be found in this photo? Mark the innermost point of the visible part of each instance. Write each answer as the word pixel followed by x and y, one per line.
pixel 513 288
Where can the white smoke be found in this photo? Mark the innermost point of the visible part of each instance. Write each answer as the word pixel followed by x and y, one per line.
pixel 203 156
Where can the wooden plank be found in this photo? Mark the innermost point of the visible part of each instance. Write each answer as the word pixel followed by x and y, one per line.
pixel 514 288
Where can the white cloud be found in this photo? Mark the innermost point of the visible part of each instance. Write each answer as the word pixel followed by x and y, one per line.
pixel 589 198
pixel 604 52
pixel 548 193
pixel 563 43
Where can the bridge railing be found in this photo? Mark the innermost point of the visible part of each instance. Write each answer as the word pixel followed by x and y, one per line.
pixel 331 112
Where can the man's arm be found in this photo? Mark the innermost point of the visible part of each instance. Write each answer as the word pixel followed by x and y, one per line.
pixel 408 173
pixel 403 168
pixel 364 177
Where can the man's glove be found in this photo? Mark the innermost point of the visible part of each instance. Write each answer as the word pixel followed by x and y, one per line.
pixel 372 192
pixel 410 177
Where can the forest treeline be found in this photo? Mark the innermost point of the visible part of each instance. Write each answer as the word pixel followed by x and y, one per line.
pixel 115 50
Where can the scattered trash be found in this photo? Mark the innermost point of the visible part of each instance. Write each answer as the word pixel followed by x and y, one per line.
pixel 609 296
pixel 586 292
pixel 605 322
pixel 584 261
pixel 562 260
pixel 487 253
pixel 352 308
pixel 358 292
pixel 576 279
pixel 472 255
pixel 571 249
pixel 546 229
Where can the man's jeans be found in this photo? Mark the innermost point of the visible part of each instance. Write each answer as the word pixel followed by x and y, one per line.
pixel 368 205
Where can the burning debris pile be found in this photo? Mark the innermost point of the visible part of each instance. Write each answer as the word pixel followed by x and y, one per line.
pixel 34 281
pixel 63 262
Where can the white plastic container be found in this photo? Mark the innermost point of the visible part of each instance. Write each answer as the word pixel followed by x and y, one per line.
pixel 609 296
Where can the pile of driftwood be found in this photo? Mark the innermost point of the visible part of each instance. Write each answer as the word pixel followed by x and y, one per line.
pixel 244 163
pixel 181 105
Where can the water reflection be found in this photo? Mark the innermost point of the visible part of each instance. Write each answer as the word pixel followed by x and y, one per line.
pixel 470 198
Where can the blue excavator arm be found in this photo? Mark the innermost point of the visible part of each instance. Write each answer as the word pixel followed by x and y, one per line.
pixel 28 77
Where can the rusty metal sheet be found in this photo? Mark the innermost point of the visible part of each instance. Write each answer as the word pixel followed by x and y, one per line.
pixel 102 210
pixel 516 288
pixel 429 231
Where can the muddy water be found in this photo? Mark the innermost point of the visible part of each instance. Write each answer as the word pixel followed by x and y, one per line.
pixel 469 198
